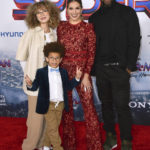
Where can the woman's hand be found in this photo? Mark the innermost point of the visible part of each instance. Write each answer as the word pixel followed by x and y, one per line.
pixel 85 83
pixel 28 80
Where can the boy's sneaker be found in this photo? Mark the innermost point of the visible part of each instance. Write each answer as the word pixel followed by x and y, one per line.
pixel 46 148
pixel 50 148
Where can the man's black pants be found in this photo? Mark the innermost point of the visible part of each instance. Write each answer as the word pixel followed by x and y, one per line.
pixel 114 90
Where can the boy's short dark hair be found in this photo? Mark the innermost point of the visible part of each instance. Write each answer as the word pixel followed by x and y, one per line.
pixel 55 47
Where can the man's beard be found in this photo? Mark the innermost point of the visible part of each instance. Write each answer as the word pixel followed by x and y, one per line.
pixel 108 5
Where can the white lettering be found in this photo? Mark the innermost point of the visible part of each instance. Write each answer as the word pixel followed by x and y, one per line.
pixel 141 105
pixel 133 104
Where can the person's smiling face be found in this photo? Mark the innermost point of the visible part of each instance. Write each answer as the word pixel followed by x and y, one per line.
pixel 53 59
pixel 74 12
pixel 42 15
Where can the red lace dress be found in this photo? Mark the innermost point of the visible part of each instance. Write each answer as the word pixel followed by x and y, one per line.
pixel 79 41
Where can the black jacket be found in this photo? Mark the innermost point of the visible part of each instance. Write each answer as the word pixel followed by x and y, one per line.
pixel 117 36
pixel 41 81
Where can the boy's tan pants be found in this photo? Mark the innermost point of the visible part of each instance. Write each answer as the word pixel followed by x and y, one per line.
pixel 53 119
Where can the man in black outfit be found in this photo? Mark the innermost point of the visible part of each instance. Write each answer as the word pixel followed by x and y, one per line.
pixel 118 41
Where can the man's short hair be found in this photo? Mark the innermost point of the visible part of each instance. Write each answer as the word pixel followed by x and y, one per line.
pixel 55 47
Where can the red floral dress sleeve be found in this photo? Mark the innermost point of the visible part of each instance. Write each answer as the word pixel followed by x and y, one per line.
pixel 58 31
pixel 91 45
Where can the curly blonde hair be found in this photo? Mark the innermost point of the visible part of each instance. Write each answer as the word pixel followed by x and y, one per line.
pixel 54 12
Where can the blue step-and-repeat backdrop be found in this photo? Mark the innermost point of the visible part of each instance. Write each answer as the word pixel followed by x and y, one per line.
pixel 13 101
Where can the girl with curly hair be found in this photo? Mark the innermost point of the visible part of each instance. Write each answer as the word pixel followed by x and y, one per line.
pixel 42 19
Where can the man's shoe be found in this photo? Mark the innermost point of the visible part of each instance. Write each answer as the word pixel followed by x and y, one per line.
pixel 114 147
pixel 126 145
pixel 110 141
pixel 106 147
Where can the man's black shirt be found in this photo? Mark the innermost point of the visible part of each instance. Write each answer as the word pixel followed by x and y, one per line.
pixel 117 36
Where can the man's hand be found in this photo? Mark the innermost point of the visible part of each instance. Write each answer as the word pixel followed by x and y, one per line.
pixel 28 80
pixel 78 73
pixel 129 71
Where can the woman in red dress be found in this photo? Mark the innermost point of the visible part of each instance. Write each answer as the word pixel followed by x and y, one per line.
pixel 79 40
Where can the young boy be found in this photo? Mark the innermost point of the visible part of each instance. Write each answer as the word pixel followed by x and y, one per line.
pixel 53 84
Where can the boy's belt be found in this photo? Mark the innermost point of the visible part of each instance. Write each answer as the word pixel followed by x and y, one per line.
pixel 56 103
